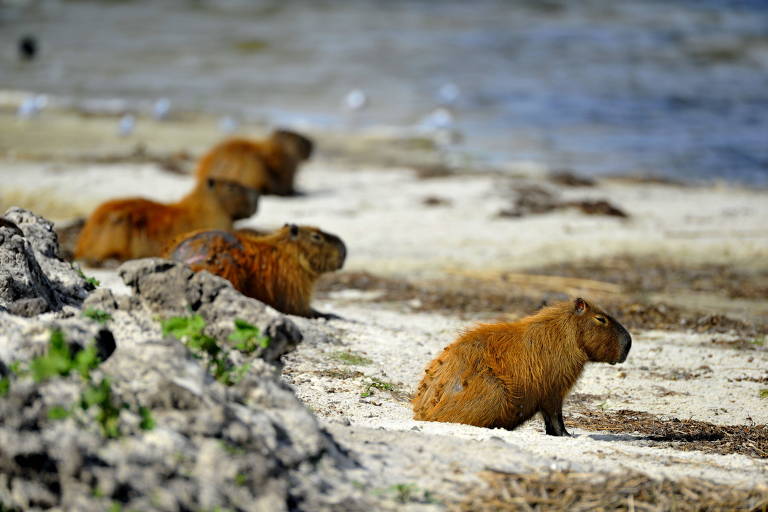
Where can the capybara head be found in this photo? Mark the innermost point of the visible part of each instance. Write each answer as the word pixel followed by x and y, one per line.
pixel 601 337
pixel 316 250
pixel 239 201
pixel 294 143
pixel 235 159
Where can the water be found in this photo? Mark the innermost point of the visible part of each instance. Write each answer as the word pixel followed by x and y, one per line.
pixel 677 89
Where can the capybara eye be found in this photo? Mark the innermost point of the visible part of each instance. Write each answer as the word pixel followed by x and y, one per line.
pixel 601 319
pixel 316 237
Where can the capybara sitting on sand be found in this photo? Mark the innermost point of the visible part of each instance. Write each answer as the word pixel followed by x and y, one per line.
pixel 125 229
pixel 500 375
pixel 279 269
pixel 269 165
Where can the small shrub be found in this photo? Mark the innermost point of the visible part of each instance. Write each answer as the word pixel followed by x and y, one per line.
pixel 247 337
pixel 147 421
pixel 92 281
pixel 350 357
pixel 376 384
pixel 98 315
pixel 58 361
pixel 189 330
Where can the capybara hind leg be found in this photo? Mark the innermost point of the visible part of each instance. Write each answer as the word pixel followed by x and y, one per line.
pixel 480 400
pixel 553 418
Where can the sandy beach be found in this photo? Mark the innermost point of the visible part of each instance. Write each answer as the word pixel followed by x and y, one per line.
pixel 435 248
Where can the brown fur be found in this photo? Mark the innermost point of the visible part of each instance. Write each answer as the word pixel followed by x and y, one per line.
pixel 136 228
pixel 500 375
pixel 269 165
pixel 279 269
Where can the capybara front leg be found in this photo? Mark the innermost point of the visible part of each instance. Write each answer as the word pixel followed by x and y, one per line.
pixel 553 418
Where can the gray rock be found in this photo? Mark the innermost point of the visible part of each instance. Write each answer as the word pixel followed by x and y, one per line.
pixel 251 445
pixel 33 277
pixel 166 288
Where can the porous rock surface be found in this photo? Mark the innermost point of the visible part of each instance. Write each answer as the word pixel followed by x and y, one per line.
pixel 247 446
pixel 34 278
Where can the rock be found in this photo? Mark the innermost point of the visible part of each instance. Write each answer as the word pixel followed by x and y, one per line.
pixel 166 288
pixel 33 277
pixel 185 440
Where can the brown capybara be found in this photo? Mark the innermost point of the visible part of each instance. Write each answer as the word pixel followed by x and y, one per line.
pixel 500 375
pixel 269 165
pixel 279 269
pixel 124 229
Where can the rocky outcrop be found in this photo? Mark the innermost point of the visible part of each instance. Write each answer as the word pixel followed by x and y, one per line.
pixel 149 427
pixel 33 277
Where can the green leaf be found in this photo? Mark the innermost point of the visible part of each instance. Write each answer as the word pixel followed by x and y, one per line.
pixel 147 422
pixel 90 280
pixel 96 395
pixel 5 386
pixel 98 315
pixel 85 361
pixel 247 337
pixel 183 327
pixel 58 412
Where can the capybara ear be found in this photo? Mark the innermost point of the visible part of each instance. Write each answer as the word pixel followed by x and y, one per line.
pixel 294 230
pixel 580 306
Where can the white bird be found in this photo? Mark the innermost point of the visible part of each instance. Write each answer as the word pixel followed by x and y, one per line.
pixel 126 125
pixel 161 108
pixel 228 124
pixel 439 119
pixel 355 99
pixel 448 93
pixel 27 109
pixel 41 101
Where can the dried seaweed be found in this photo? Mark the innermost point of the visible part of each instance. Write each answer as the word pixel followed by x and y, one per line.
pixel 565 491
pixel 749 440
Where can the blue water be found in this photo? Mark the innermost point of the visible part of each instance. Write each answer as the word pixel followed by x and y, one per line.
pixel 676 89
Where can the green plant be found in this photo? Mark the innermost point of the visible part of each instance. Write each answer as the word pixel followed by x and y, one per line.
pixel 90 280
pixel 408 493
pixel 764 393
pixel 58 412
pixel 759 341
pixel 98 315
pixel 247 337
pixel 147 421
pixel 56 362
pixel 5 386
pixel 376 384
pixel 189 330
pixel 59 361
pixel 241 479
pixel 350 357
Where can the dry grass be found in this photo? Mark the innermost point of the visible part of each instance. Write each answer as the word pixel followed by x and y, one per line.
pixel 563 491
pixel 749 440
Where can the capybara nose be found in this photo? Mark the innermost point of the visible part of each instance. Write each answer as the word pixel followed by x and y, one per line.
pixel 342 253
pixel 625 343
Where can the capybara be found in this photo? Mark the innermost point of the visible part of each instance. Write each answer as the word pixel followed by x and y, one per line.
pixel 279 269
pixel 501 374
pixel 123 229
pixel 269 165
